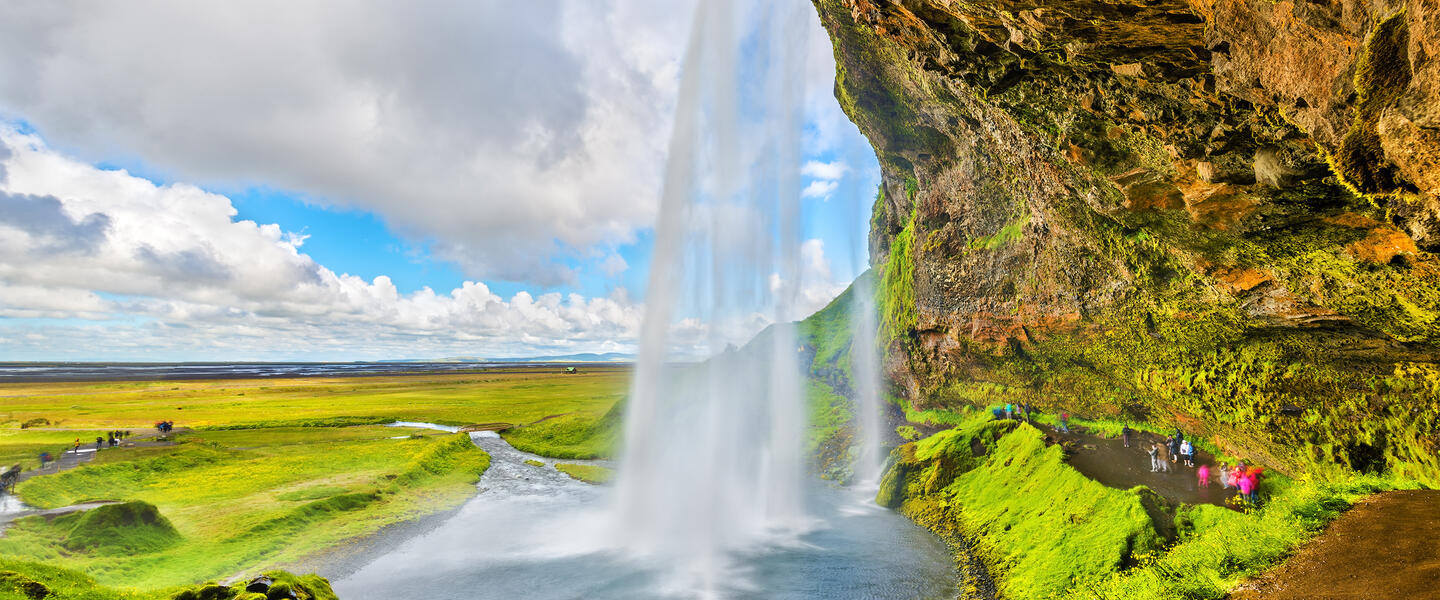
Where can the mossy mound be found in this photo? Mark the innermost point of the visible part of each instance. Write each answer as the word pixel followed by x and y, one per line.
pixel 273 585
pixel 1040 525
pixel 134 527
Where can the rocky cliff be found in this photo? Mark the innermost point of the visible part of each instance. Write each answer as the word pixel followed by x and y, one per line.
pixel 1218 214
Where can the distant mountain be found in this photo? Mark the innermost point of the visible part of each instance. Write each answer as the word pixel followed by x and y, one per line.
pixel 585 357
pixel 588 357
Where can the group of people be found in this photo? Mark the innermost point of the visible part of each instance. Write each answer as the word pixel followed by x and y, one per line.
pixel 1244 479
pixel 164 426
pixel 1012 412
pixel 1177 449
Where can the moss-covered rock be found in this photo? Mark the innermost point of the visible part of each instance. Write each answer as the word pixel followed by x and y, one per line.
pixel 1193 214
pixel 273 585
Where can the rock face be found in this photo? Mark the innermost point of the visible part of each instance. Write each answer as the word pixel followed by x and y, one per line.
pixel 1195 212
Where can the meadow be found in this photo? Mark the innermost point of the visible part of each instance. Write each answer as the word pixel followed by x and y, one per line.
pixel 265 473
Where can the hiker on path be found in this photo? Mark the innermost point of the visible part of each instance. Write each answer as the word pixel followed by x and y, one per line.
pixel 98 442
pixel 1247 489
pixel 1065 422
pixel 998 412
pixel 1174 444
pixel 1224 476
pixel 44 458
pixel 1164 456
pixel 1154 453
pixel 1188 451
pixel 1010 411
pixel 1125 433
pixel 1204 475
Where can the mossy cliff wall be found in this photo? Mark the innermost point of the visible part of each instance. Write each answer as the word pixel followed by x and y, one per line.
pixel 1215 213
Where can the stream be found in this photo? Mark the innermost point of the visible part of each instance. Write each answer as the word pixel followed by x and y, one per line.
pixel 533 532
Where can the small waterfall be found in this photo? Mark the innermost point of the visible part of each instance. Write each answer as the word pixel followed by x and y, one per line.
pixel 865 386
pixel 713 459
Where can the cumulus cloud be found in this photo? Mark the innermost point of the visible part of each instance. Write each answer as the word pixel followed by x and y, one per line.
pixel 824 170
pixel 167 271
pixel 819 189
pixel 508 132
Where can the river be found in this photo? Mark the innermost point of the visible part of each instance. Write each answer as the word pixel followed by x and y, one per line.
pixel 533 532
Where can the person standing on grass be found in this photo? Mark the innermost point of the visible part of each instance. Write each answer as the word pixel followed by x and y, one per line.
pixel 77 445
pixel 1009 411
pixel 1154 453
pixel 1204 475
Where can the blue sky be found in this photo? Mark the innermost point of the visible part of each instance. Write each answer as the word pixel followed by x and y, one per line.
pixel 394 188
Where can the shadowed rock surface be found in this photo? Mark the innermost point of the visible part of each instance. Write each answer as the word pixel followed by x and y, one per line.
pixel 1216 214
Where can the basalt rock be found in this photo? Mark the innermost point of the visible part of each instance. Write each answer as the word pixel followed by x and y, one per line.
pixel 1196 212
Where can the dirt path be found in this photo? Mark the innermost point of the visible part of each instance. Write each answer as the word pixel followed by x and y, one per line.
pixel 1109 462
pixel 1387 546
pixel 70 459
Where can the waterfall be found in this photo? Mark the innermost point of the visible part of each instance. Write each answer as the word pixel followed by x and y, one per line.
pixel 713 456
pixel 865 386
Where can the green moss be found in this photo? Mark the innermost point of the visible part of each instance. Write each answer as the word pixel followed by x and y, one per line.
pixel 1011 232
pixel 896 293
pixel 1381 75
pixel 907 433
pixel 534 463
pixel 586 473
pixel 283 585
pixel 1042 526
pixel 127 528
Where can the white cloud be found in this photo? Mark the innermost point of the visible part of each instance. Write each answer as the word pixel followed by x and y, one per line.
pixel 819 189
pixel 823 170
pixel 167 271
pixel 507 132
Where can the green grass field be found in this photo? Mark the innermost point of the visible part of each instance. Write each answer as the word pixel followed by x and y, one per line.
pixel 272 471
pixel 518 397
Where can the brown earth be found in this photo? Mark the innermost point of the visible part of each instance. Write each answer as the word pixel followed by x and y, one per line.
pixel 1386 547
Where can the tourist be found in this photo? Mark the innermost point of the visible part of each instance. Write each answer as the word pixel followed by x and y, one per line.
pixel 1204 475
pixel 1164 455
pixel 1125 434
pixel 44 458
pixel 1154 453
pixel 1247 489
pixel 1010 411
pixel 1188 452
pixel 1224 476
pixel 98 442
pixel 998 412
pixel 77 445
pixel 1174 444
pixel 1065 422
